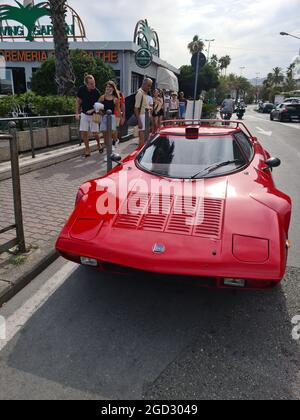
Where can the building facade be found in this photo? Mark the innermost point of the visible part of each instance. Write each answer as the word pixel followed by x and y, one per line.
pixel 20 59
pixel 26 41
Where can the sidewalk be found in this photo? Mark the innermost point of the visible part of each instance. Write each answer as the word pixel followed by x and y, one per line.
pixel 48 196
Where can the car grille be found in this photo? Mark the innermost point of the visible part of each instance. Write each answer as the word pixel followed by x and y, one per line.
pixel 158 213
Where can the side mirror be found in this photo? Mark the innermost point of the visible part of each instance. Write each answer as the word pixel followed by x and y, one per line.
pixel 272 163
pixel 116 158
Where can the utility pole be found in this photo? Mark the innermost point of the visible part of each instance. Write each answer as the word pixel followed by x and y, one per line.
pixel 208 50
pixel 196 83
pixel 257 76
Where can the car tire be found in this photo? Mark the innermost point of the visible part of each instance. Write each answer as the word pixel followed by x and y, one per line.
pixel 271 117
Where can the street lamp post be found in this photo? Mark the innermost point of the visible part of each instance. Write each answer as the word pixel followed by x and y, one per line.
pixel 196 83
pixel 257 75
pixel 208 51
pixel 286 34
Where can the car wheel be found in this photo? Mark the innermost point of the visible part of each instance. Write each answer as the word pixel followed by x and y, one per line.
pixel 271 117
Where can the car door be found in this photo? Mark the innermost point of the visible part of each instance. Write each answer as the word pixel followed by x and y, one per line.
pixel 277 111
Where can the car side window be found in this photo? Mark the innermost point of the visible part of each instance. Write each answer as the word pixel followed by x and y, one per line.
pixel 245 144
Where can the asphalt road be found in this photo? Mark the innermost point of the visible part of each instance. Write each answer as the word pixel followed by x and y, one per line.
pixel 282 140
pixel 73 333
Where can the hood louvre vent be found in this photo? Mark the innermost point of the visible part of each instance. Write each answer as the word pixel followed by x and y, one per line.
pixel 157 213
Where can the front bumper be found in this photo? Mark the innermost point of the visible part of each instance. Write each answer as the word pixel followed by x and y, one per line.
pixel 203 258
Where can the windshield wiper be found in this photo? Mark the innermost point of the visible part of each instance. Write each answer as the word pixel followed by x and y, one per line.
pixel 215 166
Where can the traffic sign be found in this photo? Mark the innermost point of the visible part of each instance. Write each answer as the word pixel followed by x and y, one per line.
pixel 202 61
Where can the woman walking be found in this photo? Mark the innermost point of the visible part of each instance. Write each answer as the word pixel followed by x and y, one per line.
pixel 158 111
pixel 110 100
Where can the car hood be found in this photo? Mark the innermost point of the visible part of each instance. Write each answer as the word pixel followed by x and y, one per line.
pixel 240 203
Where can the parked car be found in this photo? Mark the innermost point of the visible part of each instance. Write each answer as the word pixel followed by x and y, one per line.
pixel 197 200
pixel 286 112
pixel 292 100
pixel 266 107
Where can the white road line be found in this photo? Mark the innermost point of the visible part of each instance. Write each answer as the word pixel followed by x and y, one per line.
pixel 291 125
pixel 297 127
pixel 263 132
pixel 16 321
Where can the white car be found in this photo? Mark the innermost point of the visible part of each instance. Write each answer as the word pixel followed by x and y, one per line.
pixel 292 100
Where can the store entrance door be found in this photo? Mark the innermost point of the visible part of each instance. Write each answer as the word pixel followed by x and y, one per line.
pixel 19 79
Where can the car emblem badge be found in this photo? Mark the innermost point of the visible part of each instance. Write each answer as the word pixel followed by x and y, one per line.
pixel 159 249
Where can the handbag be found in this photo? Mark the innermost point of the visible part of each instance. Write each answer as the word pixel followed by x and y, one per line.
pixel 133 121
pixel 96 118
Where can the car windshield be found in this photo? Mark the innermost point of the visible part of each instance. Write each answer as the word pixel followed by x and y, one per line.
pixel 179 157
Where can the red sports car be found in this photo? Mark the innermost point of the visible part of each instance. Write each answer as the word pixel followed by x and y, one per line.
pixel 198 200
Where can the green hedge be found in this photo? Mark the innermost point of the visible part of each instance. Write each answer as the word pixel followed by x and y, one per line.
pixel 37 105
pixel 209 111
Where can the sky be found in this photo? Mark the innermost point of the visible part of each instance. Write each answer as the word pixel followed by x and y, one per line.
pixel 248 31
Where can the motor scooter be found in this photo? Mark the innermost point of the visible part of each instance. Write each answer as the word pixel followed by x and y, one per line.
pixel 240 112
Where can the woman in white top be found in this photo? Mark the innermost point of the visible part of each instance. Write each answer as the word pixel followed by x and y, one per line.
pixel 174 106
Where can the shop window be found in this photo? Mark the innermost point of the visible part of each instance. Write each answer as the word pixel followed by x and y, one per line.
pixel 136 82
pixel 6 82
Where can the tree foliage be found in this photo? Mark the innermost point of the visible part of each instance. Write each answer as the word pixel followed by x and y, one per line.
pixel 277 82
pixel 43 79
pixel 207 80
pixel 237 86
pixel 197 45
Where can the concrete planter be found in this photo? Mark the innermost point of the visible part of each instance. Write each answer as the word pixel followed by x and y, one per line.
pixel 39 137
pixel 4 150
pixel 43 138
pixel 58 135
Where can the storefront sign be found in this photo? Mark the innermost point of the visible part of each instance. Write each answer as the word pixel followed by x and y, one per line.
pixel 107 56
pixel 44 30
pixel 143 58
pixel 146 37
pixel 40 56
pixel 28 17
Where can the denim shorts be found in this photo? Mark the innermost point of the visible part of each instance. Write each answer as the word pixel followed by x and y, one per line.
pixel 103 126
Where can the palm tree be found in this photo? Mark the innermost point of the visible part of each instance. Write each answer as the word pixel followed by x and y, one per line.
pixel 225 62
pixel 64 75
pixel 214 61
pixel 197 45
pixel 290 70
pixel 269 82
pixel 290 82
pixel 278 77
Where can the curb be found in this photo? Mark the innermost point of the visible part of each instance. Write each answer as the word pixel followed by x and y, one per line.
pixel 33 270
pixel 12 289
pixel 44 162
